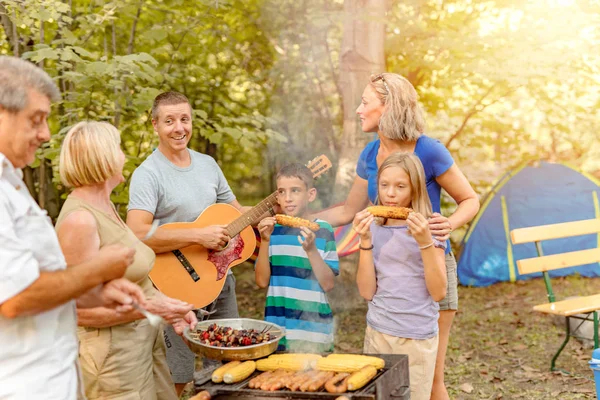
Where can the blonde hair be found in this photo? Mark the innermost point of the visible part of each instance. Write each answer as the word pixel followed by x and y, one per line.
pixel 402 117
pixel 89 154
pixel 414 169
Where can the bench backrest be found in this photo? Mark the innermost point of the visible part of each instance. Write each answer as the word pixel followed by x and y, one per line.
pixel 556 231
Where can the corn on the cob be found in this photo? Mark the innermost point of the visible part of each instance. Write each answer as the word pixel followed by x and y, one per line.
pixel 377 362
pixel 217 375
pixel 239 372
pixel 348 363
pixel 289 363
pixel 360 378
pixel 295 222
pixel 295 356
pixel 390 212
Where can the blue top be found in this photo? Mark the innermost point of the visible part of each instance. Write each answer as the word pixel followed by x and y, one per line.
pixel 434 156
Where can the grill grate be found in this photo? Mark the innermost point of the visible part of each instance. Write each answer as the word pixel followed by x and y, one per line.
pixel 391 383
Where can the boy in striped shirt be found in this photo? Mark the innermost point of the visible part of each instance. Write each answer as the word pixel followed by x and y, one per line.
pixel 298 266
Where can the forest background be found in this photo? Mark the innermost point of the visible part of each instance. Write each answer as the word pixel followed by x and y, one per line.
pixel 273 81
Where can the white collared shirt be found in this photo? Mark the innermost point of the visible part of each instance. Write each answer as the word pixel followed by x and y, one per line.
pixel 38 353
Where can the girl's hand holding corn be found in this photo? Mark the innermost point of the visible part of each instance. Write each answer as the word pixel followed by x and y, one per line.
pixel 362 224
pixel 419 228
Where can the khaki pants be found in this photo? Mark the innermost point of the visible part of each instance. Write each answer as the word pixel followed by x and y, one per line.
pixel 125 362
pixel 421 358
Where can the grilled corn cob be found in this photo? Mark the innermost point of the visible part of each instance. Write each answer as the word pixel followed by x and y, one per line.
pixel 288 356
pixel 377 362
pixel 295 222
pixel 390 212
pixel 217 375
pixel 289 363
pixel 348 362
pixel 239 372
pixel 360 378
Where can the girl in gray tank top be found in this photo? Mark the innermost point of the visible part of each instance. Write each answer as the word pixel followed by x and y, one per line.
pixel 402 271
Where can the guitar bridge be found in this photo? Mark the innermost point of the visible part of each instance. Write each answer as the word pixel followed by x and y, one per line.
pixel 186 264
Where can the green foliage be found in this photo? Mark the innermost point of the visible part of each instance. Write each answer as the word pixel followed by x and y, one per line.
pixel 501 81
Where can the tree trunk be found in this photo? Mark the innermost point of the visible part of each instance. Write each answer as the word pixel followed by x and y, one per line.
pixel 361 55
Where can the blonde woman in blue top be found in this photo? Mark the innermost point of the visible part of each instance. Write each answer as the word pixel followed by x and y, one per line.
pixel 389 107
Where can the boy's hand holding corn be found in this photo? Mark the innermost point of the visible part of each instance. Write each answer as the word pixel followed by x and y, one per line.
pixel 266 227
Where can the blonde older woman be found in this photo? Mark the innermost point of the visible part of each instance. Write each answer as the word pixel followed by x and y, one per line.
pixel 389 107
pixel 122 356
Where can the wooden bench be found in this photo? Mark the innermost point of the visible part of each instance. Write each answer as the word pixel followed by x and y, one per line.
pixel 570 308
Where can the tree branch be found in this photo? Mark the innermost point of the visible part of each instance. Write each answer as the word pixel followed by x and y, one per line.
pixel 117 118
pixel 9 28
pixel 477 107
pixel 133 28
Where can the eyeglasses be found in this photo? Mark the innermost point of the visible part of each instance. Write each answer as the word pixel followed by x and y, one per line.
pixel 382 79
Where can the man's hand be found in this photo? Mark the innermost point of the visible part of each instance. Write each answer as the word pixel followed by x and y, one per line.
pixel 213 237
pixel 120 293
pixel 265 227
pixel 190 320
pixel 114 260
pixel 307 239
pixel 171 310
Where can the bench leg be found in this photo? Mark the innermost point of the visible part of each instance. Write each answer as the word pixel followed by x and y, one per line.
pixel 568 336
pixel 596 329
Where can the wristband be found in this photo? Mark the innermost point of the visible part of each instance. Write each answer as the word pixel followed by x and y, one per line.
pixel 426 246
pixel 365 248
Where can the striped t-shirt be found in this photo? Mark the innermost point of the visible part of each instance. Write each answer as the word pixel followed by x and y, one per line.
pixel 295 300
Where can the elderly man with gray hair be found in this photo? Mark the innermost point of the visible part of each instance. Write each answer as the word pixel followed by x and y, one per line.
pixel 38 351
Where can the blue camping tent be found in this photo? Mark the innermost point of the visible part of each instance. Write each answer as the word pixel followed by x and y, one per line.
pixel 533 194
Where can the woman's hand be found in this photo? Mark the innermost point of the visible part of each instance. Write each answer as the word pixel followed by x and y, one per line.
pixel 362 224
pixel 440 227
pixel 419 228
pixel 190 320
pixel 266 227
pixel 171 310
pixel 120 294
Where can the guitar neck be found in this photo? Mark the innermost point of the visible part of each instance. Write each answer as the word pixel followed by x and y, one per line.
pixel 252 216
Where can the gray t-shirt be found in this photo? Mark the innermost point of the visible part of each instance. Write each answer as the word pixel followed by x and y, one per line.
pixel 402 306
pixel 174 194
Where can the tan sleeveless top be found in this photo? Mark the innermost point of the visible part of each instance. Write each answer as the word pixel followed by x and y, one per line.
pixel 112 232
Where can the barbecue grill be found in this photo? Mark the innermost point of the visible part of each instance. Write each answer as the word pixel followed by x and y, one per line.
pixel 391 383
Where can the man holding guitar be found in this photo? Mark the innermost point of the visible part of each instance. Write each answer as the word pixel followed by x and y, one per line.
pixel 176 184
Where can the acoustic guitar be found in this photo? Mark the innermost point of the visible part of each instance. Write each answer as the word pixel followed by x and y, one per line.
pixel 195 274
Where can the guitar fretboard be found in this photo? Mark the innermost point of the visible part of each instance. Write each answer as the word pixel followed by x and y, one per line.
pixel 252 216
